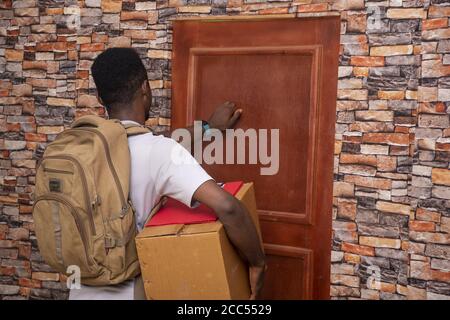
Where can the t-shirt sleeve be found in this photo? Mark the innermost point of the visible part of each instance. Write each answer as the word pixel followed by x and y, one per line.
pixel 180 174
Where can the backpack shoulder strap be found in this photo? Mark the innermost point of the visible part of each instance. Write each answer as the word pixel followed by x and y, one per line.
pixel 133 129
pixel 88 121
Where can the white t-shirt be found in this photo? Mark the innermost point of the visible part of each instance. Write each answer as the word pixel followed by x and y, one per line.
pixel 159 166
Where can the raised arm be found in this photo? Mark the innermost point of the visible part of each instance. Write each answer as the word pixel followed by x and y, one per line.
pixel 224 117
pixel 239 227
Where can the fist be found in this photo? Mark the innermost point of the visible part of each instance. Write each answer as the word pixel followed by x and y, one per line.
pixel 225 116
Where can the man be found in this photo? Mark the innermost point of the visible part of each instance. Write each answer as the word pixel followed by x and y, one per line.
pixel 122 87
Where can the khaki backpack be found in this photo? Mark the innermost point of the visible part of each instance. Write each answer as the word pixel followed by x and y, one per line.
pixel 82 214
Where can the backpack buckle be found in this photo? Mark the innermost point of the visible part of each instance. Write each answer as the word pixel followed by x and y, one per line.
pixel 110 242
pixel 124 211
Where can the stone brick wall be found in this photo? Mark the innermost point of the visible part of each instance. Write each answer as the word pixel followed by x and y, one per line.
pixel 391 217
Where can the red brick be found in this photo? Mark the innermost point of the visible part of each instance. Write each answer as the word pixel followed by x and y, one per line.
pixel 358 249
pixel 24 291
pixel 140 34
pixel 50 129
pixel 434 69
pixel 92 47
pixel 72 55
pixel 434 23
pixel 443 276
pixel 380 242
pixel 391 50
pixel 13 127
pixel 369 182
pixel 99 38
pixel 134 15
pixel 415 225
pixel 39 65
pixel 389 138
pixel 274 11
pixel 347 209
pixel 386 163
pixel 29 283
pixel 6 4
pixel 406 13
pixel 439 11
pixel 388 287
pixel 366 61
pixel 83 74
pixel 45 276
pixel 203 9
pixel 18 234
pixel 38 137
pixel 111 6
pixel 26 12
pixel 427 215
pixel 24 251
pixel 391 95
pixel 11 198
pixel 370 160
pixel 25 209
pixel 43 83
pixel 442 146
pixel 317 7
pixel 440 176
pixel 54 11
pixel 7 271
pixel 352 258
pixel 13 55
pixel 12 32
pixel 52 46
pixel 5 84
pixel 430 237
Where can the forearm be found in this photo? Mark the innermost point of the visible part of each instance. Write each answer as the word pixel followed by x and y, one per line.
pixel 237 222
pixel 242 233
pixel 225 116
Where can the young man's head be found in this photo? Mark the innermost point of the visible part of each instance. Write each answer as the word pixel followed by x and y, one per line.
pixel 122 84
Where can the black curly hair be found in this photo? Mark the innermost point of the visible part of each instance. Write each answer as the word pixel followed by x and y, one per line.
pixel 118 73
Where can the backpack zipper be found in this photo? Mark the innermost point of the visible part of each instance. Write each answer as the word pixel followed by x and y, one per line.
pixel 85 187
pixel 57 171
pixel 75 216
pixel 111 167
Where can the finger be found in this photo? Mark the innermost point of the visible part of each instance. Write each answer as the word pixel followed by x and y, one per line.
pixel 230 105
pixel 235 117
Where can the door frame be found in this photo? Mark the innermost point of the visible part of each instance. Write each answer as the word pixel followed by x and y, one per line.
pixel 322 127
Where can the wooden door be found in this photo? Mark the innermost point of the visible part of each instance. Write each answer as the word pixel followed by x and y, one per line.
pixel 283 73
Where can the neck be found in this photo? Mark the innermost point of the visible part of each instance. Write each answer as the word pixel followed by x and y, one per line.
pixel 127 113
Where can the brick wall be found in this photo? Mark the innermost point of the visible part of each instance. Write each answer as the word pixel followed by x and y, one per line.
pixel 391 217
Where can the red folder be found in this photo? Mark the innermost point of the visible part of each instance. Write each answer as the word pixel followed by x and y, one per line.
pixel 175 212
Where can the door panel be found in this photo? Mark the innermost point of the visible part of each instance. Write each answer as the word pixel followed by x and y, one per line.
pixel 284 78
pixel 291 261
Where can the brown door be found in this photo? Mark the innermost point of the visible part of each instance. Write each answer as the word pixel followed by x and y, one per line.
pixel 283 73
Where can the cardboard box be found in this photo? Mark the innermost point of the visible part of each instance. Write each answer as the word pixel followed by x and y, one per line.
pixel 194 261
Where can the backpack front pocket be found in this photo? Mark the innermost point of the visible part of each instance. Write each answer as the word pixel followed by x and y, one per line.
pixel 65 175
pixel 62 235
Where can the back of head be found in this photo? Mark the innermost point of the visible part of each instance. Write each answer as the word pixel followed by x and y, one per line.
pixel 118 73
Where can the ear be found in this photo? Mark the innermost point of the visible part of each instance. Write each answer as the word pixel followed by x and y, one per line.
pixel 145 87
